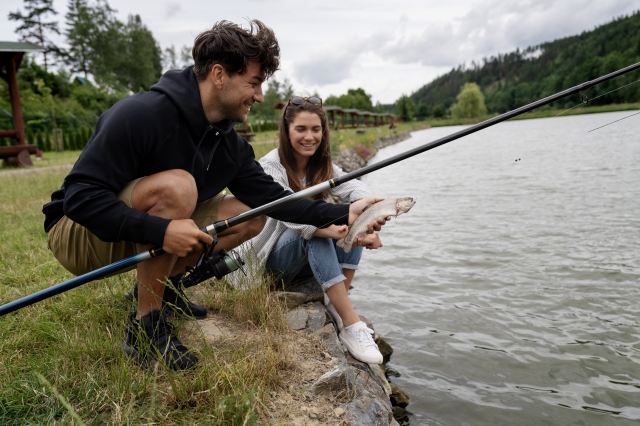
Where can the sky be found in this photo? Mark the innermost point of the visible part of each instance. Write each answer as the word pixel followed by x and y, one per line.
pixel 388 48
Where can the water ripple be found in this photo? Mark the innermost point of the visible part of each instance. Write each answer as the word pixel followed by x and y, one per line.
pixel 512 287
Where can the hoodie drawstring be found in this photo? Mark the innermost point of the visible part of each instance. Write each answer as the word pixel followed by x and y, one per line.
pixel 193 162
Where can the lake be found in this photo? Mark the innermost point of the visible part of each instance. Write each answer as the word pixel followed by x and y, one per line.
pixel 511 291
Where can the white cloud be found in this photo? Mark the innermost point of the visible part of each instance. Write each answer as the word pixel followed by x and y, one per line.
pixel 387 48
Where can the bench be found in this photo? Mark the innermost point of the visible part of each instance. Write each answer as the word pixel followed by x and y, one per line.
pixel 18 155
pixel 243 131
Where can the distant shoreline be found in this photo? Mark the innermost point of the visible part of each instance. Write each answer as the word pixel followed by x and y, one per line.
pixel 539 113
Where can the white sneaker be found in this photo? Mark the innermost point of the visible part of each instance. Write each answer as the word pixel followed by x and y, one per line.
pixel 359 342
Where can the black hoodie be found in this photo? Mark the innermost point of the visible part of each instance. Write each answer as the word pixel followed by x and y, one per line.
pixel 164 129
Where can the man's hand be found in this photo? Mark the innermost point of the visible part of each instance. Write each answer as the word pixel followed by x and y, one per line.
pixel 183 237
pixel 356 208
pixel 369 241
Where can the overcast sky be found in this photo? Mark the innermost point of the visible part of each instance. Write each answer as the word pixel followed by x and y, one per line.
pixel 387 48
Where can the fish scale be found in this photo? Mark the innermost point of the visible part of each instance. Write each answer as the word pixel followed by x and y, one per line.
pixel 373 212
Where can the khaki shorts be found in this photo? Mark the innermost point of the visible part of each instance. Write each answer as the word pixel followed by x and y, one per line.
pixel 79 251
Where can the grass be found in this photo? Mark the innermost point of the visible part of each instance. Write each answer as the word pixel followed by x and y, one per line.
pixel 61 358
pixel 50 159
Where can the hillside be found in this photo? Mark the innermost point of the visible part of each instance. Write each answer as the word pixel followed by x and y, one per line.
pixel 514 79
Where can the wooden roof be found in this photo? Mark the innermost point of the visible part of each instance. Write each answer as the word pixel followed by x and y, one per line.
pixel 19 46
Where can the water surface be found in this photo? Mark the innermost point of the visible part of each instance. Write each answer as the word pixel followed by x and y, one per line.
pixel 511 291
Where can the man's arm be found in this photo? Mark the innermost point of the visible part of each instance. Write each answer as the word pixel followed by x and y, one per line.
pixel 111 160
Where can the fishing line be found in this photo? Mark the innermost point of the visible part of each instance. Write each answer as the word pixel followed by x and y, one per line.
pixel 586 100
pixel 613 122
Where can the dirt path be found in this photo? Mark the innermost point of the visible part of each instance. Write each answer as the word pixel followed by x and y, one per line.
pixel 22 171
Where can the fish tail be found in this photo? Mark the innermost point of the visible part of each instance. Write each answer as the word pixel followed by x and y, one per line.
pixel 342 243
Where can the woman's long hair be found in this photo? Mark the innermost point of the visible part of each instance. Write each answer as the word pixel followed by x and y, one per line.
pixel 320 166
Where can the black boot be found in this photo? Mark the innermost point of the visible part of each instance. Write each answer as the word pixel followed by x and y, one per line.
pixel 175 303
pixel 150 340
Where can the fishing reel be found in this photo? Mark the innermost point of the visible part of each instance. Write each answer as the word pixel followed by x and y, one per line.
pixel 212 265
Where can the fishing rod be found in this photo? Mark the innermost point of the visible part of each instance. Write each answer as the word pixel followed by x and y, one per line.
pixel 227 261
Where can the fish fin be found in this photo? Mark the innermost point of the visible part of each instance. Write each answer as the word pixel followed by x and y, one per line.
pixel 343 245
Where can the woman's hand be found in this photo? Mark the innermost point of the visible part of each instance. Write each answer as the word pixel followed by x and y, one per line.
pixel 369 241
pixel 356 208
pixel 334 231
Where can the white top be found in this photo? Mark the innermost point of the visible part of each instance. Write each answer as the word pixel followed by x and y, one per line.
pixel 264 242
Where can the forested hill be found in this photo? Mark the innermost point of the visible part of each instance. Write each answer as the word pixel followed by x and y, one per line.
pixel 515 79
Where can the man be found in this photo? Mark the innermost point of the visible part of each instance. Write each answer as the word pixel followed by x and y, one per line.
pixel 152 175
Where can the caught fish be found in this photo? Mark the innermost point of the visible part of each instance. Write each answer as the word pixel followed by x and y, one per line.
pixel 373 212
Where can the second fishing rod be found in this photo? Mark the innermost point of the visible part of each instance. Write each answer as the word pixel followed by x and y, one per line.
pixel 220 263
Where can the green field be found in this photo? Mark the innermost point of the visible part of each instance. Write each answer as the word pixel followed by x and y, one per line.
pixel 61 358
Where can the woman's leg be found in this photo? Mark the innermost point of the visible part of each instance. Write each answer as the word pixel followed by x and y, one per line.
pixel 292 252
pixel 323 252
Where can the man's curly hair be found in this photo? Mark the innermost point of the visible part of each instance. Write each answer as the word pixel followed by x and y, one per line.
pixel 233 47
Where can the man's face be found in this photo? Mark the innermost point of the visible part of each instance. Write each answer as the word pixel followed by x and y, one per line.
pixel 241 91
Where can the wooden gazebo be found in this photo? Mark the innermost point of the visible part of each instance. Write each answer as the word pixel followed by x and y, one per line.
pixel 11 54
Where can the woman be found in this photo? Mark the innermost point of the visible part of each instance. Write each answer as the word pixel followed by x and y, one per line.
pixel 303 159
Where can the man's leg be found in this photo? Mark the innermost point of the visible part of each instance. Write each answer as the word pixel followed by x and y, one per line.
pixel 172 195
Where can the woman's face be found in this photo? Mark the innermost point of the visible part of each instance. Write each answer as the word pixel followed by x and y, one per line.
pixel 305 134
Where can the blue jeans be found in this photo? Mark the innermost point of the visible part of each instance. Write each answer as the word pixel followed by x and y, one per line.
pixel 296 257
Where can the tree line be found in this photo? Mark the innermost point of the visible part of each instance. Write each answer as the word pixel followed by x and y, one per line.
pixel 119 56
pixel 514 79
pixel 113 59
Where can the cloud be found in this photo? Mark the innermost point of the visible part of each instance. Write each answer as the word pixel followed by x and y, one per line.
pixel 325 68
pixel 172 9
pixel 328 66
pixel 495 26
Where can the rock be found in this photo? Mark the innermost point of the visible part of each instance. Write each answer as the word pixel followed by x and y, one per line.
pixel 391 372
pixel 317 316
pixel 367 411
pixel 398 398
pixel 292 299
pixel 339 411
pixel 385 349
pixel 377 372
pixel 401 415
pixel 307 286
pixel 297 318
pixel 332 382
pixel 332 344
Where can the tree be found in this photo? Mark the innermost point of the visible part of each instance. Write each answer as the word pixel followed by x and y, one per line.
pixel 405 108
pixel 174 60
pixel 95 40
pixel 423 111
pixel 354 98
pixel 140 62
pixel 438 111
pixel 121 57
pixel 470 102
pixel 34 28
pixel 79 33
pixel 276 92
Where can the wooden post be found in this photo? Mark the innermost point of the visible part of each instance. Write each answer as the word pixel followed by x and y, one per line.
pixel 16 110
